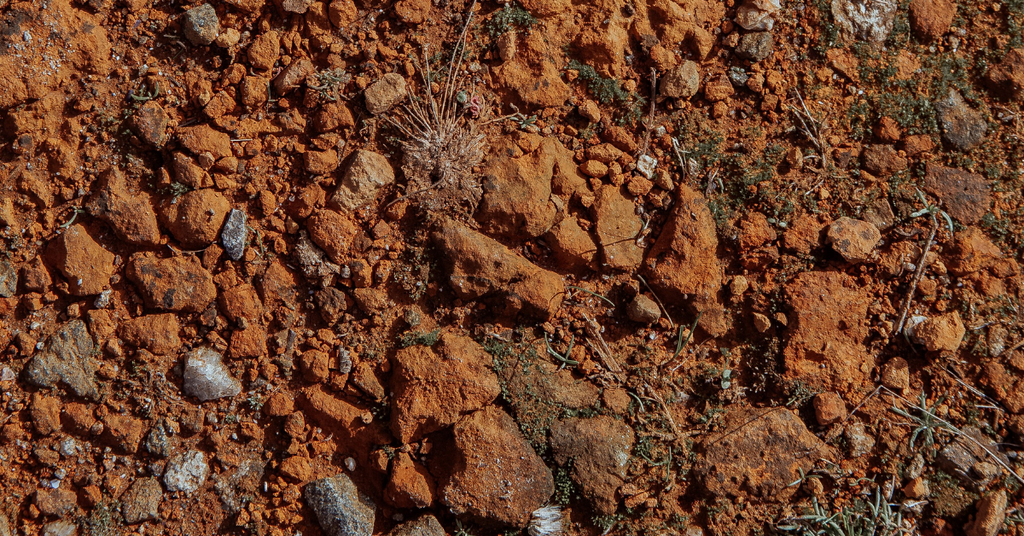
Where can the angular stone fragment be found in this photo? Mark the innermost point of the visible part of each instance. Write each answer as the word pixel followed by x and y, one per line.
pixel 201 25
pixel 173 284
pixel 141 501
pixel 385 93
pixel 599 448
pixel 67 358
pixel 367 173
pixel 340 508
pixel 87 266
pixel 206 376
pixel 186 472
pixel 234 234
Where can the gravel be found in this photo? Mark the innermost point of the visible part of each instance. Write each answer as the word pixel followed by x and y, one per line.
pixel 234 234
pixel 186 472
pixel 340 508
pixel 206 376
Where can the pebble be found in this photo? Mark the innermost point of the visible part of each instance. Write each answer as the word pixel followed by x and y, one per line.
pixel 150 122
pixel 60 528
pixel 142 501
pixel 265 50
pixel 646 165
pixel 365 176
pixel 234 234
pixel 718 89
pixel 854 239
pixel 426 525
pixel 173 284
pixel 858 441
pixel 991 515
pixel 385 93
pixel 197 218
pixel 963 127
pixel 8 279
pixel 755 46
pixel 339 507
pixel 600 448
pixel 186 472
pixel 67 358
pixel 87 266
pixel 643 310
pixel 681 82
pixel 201 25
pixel 829 408
pixel 206 376
pixel 942 333
pixel 896 374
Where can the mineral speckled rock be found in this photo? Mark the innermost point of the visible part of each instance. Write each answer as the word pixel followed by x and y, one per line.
pixel 367 173
pixel 141 501
pixel 234 234
pixel 8 279
pixel 340 508
pixel 67 358
pixel 186 472
pixel 600 449
pixel 206 376
pixel 201 25
pixel 426 525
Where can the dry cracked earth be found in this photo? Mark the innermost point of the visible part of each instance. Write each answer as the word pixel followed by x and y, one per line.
pixel 438 267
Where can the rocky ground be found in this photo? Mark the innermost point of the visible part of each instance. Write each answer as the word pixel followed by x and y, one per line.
pixel 669 267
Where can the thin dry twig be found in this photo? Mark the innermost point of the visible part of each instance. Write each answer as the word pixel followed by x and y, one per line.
pixel 657 299
pixel 649 124
pixel 917 277
pixel 596 342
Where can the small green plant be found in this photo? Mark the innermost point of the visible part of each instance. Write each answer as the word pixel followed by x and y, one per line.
pixel 255 402
pixel 565 358
pixel 927 422
pixel 606 90
pixel 875 518
pixel 511 16
pixel 329 82
pixel 932 210
pixel 143 97
pixel 413 338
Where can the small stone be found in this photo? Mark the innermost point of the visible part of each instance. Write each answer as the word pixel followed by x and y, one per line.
pixel 896 374
pixel 646 165
pixel 197 217
pixel 87 266
pixel 917 488
pixel 131 216
pixel 411 485
pixel 718 89
pixel 265 50
pixel 681 82
pixel 67 358
pixel 292 75
pixel 858 441
pixel 159 442
pixel 942 333
pixel 186 472
pixel 854 239
pixel 829 408
pixel 385 93
pixel 150 122
pixel 965 196
pixel 321 162
pixel 206 376
pixel 55 502
pixel 142 501
pixel 8 279
pixel 339 507
pixel 234 234
pixel 588 108
pixel 593 168
pixel 228 38
pixel 426 525
pixel 930 19
pixel 600 449
pixel 991 515
pixel 1007 76
pixel 45 412
pixel 367 173
pixel 297 468
pixel 963 127
pixel 201 25
pixel 757 15
pixel 7 530
pixel 755 46
pixel 279 405
pixel 866 20
pixel 173 284
pixel 573 247
pixel 296 6
pixel 643 310
pixel 617 226
pixel 60 527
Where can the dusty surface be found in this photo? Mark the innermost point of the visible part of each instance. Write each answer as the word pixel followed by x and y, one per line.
pixel 252 282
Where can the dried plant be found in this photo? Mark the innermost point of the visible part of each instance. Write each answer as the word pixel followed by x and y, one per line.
pixel 442 144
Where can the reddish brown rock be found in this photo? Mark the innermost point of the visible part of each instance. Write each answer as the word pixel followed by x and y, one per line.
pixel 174 284
pixel 433 386
pixel 197 217
pixel 333 232
pixel 896 374
pixel 755 231
pixel 264 50
pixel 131 216
pixel 248 342
pixel 385 93
pixel 573 247
pixel 965 196
pixel 479 266
pixel 883 160
pixel 1007 76
pixel 292 75
pixel 411 485
pixel 86 265
pixel 124 431
pixel 718 89
pixel 279 405
pixel 413 11
pixel 241 302
pixel 321 162
pixel 494 474
pixel 758 454
pixel 930 19
pixel 203 138
pixel 600 449
pixel 45 412
pixel 297 468
pixel 517 194
pixel 854 239
pixel 828 330
pixel 972 252
pixel 156 333
pixel 618 227
pixel 942 333
pixel 803 235
pixel 150 122
pixel 55 502
pixel 829 408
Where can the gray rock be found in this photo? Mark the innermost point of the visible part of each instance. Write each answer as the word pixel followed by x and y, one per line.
pixel 201 25
pixel 738 77
pixel 60 528
pixel 8 279
pixel 234 234
pixel 866 20
pixel 233 487
pixel 385 93
pixel 643 310
pixel 5 526
pixel 858 440
pixel 968 460
pixel 158 442
pixel 339 507
pixel 67 358
pixel 367 173
pixel 755 46
pixel 206 376
pixel 681 82
pixel 141 501
pixel 186 472
pixel 426 525
pixel 962 126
